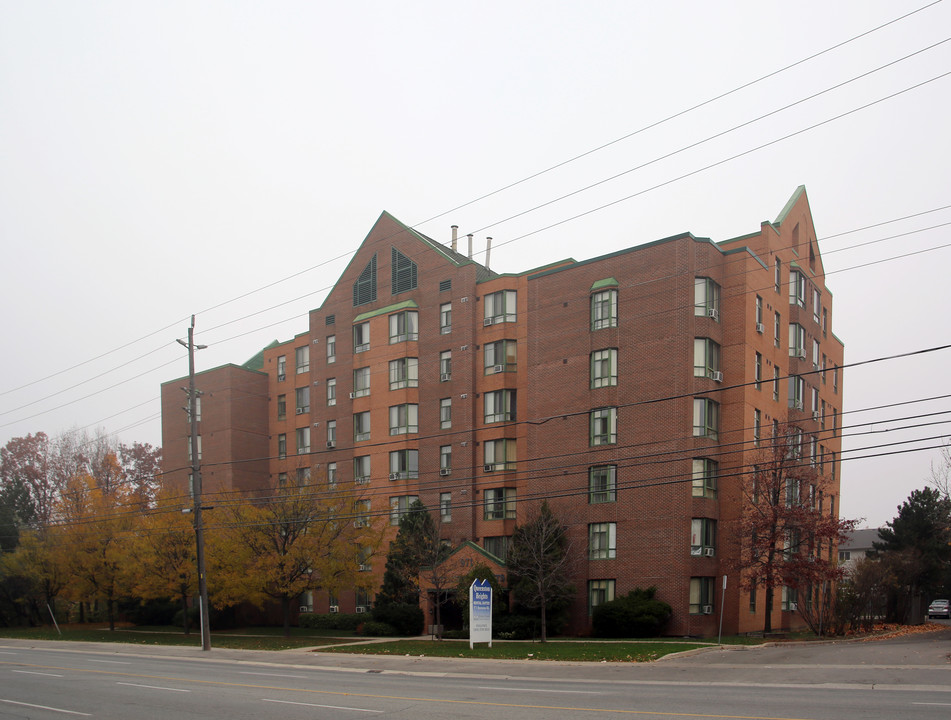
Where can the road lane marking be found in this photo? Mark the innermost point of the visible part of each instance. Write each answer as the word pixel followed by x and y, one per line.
pixel 153 687
pixel 328 707
pixel 542 690
pixel 938 704
pixel 111 662
pixel 278 675
pixel 30 672
pixel 45 707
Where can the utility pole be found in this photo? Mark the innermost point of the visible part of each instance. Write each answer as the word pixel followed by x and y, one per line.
pixel 196 487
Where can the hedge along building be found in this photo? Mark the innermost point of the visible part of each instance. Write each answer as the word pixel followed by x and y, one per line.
pixel 630 390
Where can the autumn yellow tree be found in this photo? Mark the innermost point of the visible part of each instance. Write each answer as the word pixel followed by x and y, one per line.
pixel 38 569
pixel 163 553
pixel 297 538
pixel 96 526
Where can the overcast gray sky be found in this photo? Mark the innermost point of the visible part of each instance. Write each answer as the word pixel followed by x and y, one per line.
pixel 163 159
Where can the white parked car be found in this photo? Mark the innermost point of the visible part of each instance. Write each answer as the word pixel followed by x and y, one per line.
pixel 939 608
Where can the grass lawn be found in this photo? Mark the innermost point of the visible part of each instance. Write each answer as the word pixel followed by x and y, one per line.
pixel 572 650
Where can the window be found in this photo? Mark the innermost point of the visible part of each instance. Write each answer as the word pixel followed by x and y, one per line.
pixel 845 555
pixel 757 424
pixel 331 349
pixel 758 371
pixel 303 440
pixel 706 418
pixel 281 446
pixel 778 276
pixel 603 426
pixel 777 330
pixel 704 482
pixel 602 541
pixel 331 391
pixel 361 426
pixel 445 413
pixel 797 340
pixel 825 321
pixel 706 298
pixel 816 355
pixel 399 506
pixel 759 312
pixel 599 592
pixel 361 469
pixel 499 504
pixel 281 368
pixel 188 444
pixel 604 368
pixel 703 537
pixel 445 318
pixel 814 392
pixel 303 477
pixel 404 326
pixel 823 368
pixel 403 273
pixel 498 546
pixel 445 365
pixel 332 475
pixel 499 307
pixel 499 406
pixel 602 484
pixel 404 419
pixel 790 599
pixel 445 507
pixel 604 309
pixel 404 373
pixel 364 289
pixel 302 358
pixel 706 358
pixel 500 356
pixel 816 304
pixel 445 457
pixel 188 411
pixel 302 400
pixel 281 407
pixel 701 595
pixel 797 288
pixel 499 455
pixel 331 433
pixel 835 378
pixel 361 512
pixel 282 479
pixel 361 337
pixel 797 389
pixel 404 464
pixel 361 382
pixel 775 383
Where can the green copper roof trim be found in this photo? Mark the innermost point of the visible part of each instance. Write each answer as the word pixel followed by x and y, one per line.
pixel 257 362
pixel 607 282
pixel 405 305
pixel 801 190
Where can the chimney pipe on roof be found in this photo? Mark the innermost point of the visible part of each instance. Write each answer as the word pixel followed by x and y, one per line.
pixel 470 245
pixel 455 236
pixel 488 250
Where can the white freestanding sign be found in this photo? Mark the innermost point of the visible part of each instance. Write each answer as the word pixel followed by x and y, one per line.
pixel 480 612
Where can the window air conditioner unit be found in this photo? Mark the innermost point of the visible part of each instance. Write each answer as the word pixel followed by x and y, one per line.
pixel 709 552
pixel 303 608
pixel 281 378
pixel 445 472
pixel 361 608
pixel 488 468
pixel 798 404
pixel 331 444
pixel 716 376
pixel 394 476
pixel 815 414
pixel 695 551
pixel 445 329
pixel 801 355
pixel 334 608
pixel 793 607
pixel 352 395
pixel 364 568
pixel 760 328
pixel 300 411
pixel 488 321
pixel 499 368
pixel 708 609
pixel 445 376
pixel 713 313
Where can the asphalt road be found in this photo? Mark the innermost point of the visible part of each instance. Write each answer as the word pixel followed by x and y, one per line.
pixel 907 677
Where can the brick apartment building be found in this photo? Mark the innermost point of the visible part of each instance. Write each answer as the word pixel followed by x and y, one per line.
pixel 631 390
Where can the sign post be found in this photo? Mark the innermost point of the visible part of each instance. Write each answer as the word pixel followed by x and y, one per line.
pixel 480 612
